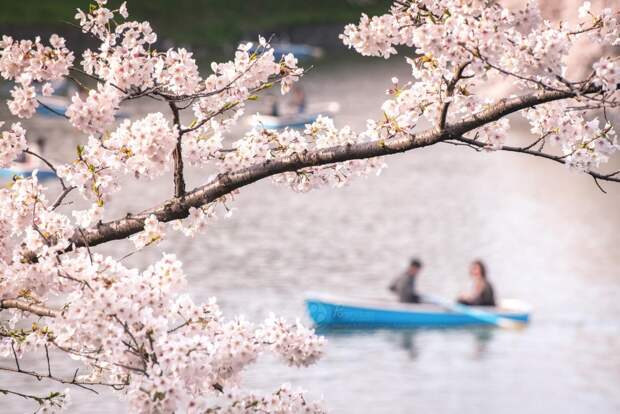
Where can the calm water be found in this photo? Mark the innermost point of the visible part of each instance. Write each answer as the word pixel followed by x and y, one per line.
pixel 548 236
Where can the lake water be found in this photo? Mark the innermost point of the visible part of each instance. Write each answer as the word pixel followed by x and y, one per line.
pixel 548 235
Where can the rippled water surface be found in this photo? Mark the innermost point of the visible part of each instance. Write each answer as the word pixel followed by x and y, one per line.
pixel 548 235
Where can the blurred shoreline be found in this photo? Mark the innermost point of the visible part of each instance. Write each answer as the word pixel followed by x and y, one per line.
pixel 211 30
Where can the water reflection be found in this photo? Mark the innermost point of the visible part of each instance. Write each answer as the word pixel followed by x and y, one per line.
pixel 412 341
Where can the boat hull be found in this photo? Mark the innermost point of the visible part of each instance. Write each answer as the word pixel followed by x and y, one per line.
pixel 295 120
pixel 9 173
pixel 289 121
pixel 327 313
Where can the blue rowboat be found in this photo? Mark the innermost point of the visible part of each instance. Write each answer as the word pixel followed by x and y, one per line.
pixel 332 311
pixel 53 106
pixel 300 51
pixel 295 120
pixel 9 173
pixel 56 106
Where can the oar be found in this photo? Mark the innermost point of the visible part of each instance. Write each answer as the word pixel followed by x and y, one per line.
pixel 474 313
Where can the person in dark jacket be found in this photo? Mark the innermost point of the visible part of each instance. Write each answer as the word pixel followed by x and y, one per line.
pixel 404 285
pixel 482 293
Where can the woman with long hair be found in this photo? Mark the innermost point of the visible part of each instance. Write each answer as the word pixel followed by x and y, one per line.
pixel 482 293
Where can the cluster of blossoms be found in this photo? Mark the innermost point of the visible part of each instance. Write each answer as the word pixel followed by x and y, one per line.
pixel 607 73
pixel 93 172
pixel 479 42
pixel 197 219
pixel 12 143
pixel 139 331
pixel 204 144
pixel 154 231
pixel 144 147
pixel 29 61
pixel 585 143
pixel 96 112
pixel 284 400
pixel 260 145
pixel 31 235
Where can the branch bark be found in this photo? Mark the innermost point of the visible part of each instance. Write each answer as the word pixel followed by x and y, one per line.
pixel 178 207
pixel 33 308
pixel 614 177
pixel 179 180
pixel 450 86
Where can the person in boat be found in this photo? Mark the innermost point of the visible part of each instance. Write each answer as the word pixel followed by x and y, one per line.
pixel 274 106
pixel 26 161
pixel 404 286
pixel 298 99
pixel 482 293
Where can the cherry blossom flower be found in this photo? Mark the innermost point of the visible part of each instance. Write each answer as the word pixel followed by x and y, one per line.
pixel 96 113
pixel 12 143
pixel 154 231
pixel 607 73
pixel 144 147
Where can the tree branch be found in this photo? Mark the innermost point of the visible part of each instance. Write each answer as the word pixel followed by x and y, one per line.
pixel 49 164
pixel 28 307
pixel 450 86
pixel 178 208
pixel 39 376
pixel 614 177
pixel 179 181
pixel 40 400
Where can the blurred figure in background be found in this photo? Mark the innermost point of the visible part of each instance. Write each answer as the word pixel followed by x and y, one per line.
pixel 298 99
pixel 26 161
pixel 482 292
pixel 274 105
pixel 404 285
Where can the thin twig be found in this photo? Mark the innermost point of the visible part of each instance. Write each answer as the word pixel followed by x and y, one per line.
pixel 561 159
pixel 179 180
pixel 49 366
pixel 52 110
pixel 61 197
pixel 90 255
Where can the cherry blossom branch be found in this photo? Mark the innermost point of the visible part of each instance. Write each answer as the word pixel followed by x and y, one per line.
pixel 49 164
pixel 61 197
pixel 175 353
pixel 28 307
pixel 450 86
pixel 223 184
pixel 229 106
pixel 73 381
pixel 260 51
pixel 65 189
pixel 537 81
pixel 614 177
pixel 40 400
pixel 87 385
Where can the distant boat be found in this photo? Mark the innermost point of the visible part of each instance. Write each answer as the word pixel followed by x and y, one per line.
pixel 53 106
pixel 333 311
pixel 295 120
pixel 42 175
pixel 301 51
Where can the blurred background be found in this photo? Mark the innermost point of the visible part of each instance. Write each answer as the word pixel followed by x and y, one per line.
pixel 212 26
pixel 548 235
